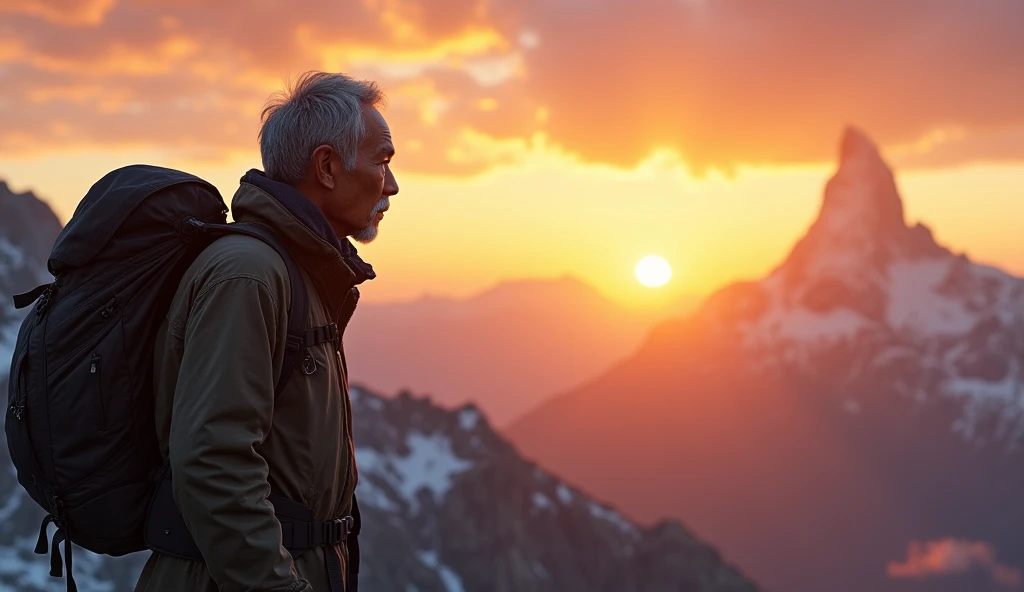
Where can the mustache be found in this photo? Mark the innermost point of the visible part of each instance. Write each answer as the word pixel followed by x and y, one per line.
pixel 381 205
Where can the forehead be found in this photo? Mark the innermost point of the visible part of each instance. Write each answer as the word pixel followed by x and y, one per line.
pixel 378 134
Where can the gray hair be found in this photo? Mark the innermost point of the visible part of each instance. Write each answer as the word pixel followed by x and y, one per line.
pixel 321 108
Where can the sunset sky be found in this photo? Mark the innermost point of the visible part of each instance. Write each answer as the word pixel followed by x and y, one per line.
pixel 542 138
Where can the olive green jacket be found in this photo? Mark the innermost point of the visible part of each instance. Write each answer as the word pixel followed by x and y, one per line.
pixel 229 442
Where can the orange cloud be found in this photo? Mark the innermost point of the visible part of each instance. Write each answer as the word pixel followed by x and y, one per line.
pixel 949 556
pixel 63 12
pixel 729 81
pixel 720 82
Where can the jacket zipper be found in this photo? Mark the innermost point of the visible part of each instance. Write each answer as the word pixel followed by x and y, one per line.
pixel 347 406
pixel 94 371
pixel 46 298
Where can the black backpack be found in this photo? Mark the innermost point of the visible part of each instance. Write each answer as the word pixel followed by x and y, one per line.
pixel 80 418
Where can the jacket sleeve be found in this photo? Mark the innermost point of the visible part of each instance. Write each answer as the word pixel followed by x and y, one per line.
pixel 222 411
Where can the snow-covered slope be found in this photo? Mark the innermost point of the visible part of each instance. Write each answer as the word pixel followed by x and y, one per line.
pixel 888 296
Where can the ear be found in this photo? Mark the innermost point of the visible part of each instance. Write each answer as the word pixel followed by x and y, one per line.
pixel 323 170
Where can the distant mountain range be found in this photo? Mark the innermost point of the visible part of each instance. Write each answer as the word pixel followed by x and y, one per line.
pixel 506 349
pixel 851 422
pixel 448 504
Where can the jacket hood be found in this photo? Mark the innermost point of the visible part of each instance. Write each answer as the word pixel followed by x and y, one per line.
pixel 329 260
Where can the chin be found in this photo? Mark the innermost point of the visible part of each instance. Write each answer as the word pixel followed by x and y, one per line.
pixel 366 235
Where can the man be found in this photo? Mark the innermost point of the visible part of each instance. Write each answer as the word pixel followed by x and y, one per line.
pixel 326 150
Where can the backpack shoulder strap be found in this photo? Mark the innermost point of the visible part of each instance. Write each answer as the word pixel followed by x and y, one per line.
pixel 298 312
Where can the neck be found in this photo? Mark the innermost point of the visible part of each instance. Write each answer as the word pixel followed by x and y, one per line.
pixel 318 197
pixel 313 193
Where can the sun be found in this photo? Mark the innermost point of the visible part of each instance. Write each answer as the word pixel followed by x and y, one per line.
pixel 653 271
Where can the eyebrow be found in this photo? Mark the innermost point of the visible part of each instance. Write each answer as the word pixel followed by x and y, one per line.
pixel 388 149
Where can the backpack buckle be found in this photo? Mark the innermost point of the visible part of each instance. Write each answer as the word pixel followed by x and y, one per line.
pixel 337 530
pixel 187 228
pixel 293 343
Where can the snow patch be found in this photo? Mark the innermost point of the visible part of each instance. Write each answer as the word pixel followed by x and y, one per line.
pixel 372 466
pixel 564 494
pixel 452 582
pixel 430 465
pixel 469 418
pixel 1002 398
pixel 8 340
pixel 609 515
pixel 914 303
pixel 11 256
pixel 804 326
pixel 1006 391
pixel 13 502
pixel 783 323
pixel 542 502
pixel 375 403
pixel 361 397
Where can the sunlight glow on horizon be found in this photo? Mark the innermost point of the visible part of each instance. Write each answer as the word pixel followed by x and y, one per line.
pixel 552 215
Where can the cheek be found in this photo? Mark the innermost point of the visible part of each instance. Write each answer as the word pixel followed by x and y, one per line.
pixel 374 186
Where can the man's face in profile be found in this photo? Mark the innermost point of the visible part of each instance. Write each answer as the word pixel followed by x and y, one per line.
pixel 360 198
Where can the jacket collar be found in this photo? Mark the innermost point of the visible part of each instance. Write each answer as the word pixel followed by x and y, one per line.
pixel 330 261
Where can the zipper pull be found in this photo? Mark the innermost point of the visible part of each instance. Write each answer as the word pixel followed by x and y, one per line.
pixel 94 366
pixel 45 297
pixel 109 308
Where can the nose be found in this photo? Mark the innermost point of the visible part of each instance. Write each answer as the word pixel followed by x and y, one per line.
pixel 390 183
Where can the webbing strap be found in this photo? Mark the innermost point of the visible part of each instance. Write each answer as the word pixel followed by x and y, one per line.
pixel 23 300
pixel 62 535
pixel 298 312
pixel 167 533
pixel 321 334
pixel 353 548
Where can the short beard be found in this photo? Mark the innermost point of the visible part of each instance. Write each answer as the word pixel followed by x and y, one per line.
pixel 369 233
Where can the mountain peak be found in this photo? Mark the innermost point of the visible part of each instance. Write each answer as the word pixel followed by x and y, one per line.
pixel 845 259
pixel 861 200
pixel 856 144
pixel 28 223
pixel 860 228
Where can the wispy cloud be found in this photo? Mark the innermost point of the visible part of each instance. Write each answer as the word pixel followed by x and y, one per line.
pixel 950 556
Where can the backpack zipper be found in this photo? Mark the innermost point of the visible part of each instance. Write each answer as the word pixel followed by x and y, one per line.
pixel 110 307
pixel 94 370
pixel 17 407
